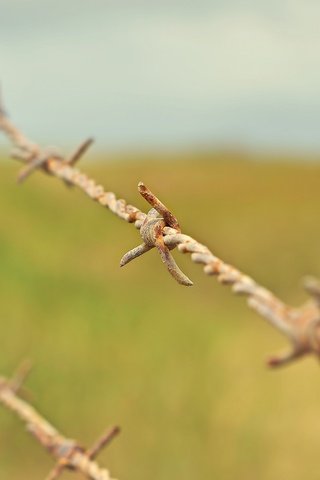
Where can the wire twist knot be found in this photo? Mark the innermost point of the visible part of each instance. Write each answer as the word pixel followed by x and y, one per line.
pixel 152 234
pixel 152 228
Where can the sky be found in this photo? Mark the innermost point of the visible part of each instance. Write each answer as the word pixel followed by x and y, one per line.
pixel 164 73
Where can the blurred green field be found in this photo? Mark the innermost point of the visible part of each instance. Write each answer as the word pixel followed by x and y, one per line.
pixel 180 369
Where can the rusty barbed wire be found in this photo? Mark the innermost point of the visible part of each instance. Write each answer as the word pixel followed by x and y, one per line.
pixel 152 233
pixel 159 228
pixel 67 452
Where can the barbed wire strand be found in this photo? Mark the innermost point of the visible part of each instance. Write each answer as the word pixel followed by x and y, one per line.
pixel 159 228
pixel 68 453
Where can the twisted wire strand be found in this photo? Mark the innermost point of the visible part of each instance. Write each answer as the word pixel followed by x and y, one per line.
pixel 288 320
pixel 66 451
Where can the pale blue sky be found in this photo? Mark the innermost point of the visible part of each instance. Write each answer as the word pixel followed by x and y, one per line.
pixel 164 73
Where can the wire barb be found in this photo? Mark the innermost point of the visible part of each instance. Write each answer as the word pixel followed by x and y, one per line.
pixel 79 152
pixel 151 232
pixel 103 441
pixel 33 165
pixel 168 217
pixel 20 376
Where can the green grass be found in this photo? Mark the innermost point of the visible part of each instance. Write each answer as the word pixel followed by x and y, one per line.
pixel 180 369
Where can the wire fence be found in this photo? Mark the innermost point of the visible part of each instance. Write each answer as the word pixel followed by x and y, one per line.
pixel 160 229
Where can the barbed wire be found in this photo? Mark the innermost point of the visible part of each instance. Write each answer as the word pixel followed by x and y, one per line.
pixel 159 228
pixel 68 453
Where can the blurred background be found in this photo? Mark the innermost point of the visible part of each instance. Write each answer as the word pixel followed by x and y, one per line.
pixel 215 106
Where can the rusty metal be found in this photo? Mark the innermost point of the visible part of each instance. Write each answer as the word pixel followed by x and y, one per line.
pixel 67 452
pixel 300 325
pixel 151 232
pixel 48 161
pixel 164 212
pixel 103 441
pixel 292 322
pixel 79 151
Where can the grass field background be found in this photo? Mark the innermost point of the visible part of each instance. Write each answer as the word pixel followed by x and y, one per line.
pixel 180 369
